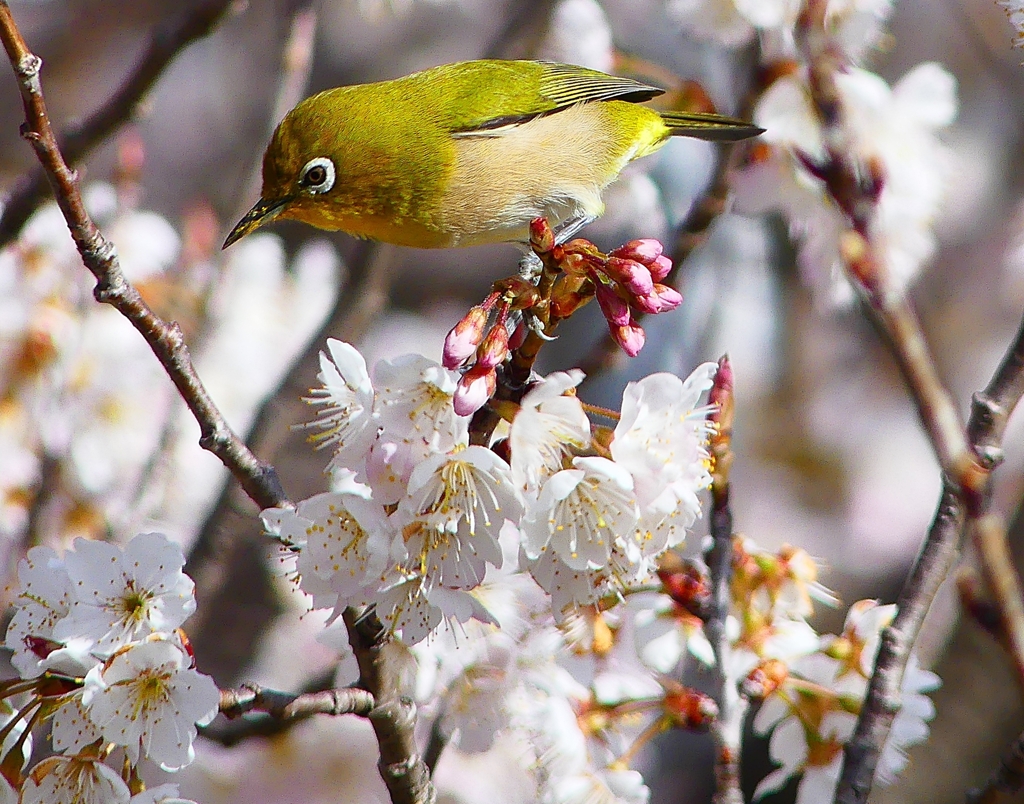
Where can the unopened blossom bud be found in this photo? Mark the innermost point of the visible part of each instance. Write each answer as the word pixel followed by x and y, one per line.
pixel 633 276
pixel 687 583
pixel 630 338
pixel 541 237
pixel 494 348
pixel 660 268
pixel 614 308
pixel 567 295
pixel 660 300
pixel 575 264
pixel 518 293
pixel 475 387
pixel 581 245
pixel 764 679
pixel 689 709
pixel 566 304
pixel 464 337
pixel 644 251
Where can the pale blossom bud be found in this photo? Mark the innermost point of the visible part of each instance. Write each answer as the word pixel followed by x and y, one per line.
pixel 615 310
pixel 464 337
pixel 633 276
pixel 494 348
pixel 630 338
pixel 660 267
pixel 660 300
pixel 644 251
pixel 475 387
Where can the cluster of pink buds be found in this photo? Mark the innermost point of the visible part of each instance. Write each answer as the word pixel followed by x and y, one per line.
pixel 479 347
pixel 626 280
pixel 630 280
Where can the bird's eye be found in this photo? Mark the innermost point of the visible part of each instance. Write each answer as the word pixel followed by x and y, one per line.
pixel 318 175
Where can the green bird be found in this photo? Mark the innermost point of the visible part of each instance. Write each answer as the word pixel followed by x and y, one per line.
pixel 465 153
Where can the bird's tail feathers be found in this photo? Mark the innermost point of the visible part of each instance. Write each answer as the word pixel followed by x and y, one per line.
pixel 707 126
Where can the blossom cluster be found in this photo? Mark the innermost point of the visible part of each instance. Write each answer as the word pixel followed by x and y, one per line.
pixel 585 691
pixel 556 548
pixel 416 515
pixel 96 638
pixel 627 283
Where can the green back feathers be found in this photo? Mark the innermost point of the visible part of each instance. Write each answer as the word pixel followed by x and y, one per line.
pixel 479 96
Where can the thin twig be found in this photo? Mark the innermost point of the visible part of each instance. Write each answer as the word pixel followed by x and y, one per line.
pixel 166 42
pixel 280 710
pixel 727 729
pixel 165 339
pixel 393 718
pixel 989 416
pixel 436 744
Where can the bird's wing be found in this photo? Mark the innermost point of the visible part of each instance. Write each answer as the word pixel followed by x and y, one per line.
pixel 507 94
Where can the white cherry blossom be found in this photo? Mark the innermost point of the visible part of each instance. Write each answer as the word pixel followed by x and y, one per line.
pixel 78 779
pixel 452 515
pixel 346 422
pixel 43 600
pixel 347 543
pixel 582 513
pixel 149 700
pixel 550 423
pixel 122 596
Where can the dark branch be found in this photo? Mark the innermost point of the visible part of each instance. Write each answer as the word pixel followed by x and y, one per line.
pixel 393 718
pixel 855 189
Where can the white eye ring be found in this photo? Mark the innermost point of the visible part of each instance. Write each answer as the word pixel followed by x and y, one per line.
pixel 318 175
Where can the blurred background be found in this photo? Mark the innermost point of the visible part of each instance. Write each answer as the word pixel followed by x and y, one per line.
pixel 829 454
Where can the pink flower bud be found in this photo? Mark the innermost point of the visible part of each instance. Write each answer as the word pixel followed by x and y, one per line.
pixel 660 300
pixel 615 310
pixel 474 388
pixel 494 348
pixel 645 251
pixel 633 276
pixel 464 337
pixel 660 267
pixel 630 338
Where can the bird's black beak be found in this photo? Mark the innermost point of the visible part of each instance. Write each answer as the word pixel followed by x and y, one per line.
pixel 264 212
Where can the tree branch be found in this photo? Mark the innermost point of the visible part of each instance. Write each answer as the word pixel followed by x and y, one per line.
pixel 394 716
pixel 165 339
pixel 282 710
pixel 75 144
pixel 727 728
